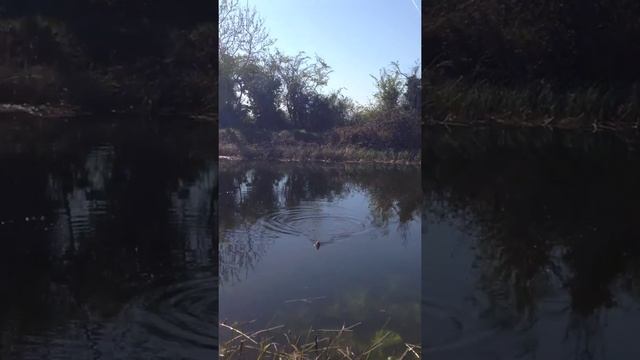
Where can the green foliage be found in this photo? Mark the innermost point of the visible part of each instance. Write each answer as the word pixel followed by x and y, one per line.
pixel 515 41
pixel 107 56
pixel 382 341
pixel 398 130
pixel 302 80
pixel 524 61
pixel 389 89
pixel 537 104
pixel 262 88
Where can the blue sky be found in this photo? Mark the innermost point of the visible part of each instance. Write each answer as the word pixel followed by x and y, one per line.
pixel 355 37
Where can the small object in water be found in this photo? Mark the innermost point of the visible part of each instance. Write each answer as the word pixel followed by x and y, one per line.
pixel 42 218
pixel 26 219
pixel 316 244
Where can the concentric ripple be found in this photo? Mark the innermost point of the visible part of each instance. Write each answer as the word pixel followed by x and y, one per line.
pixel 173 321
pixel 306 221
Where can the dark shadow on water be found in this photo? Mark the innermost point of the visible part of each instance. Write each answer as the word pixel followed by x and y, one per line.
pixel 107 241
pixel 531 245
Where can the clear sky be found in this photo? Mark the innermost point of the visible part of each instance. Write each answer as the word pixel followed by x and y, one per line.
pixel 355 37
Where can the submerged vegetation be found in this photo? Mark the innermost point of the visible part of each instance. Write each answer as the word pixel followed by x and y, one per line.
pixel 108 56
pixel 313 344
pixel 301 314
pixel 566 64
pixel 262 90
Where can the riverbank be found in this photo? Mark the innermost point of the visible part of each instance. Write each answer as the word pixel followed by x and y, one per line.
pixel 53 68
pixel 315 344
pixel 530 64
pixel 66 111
pixel 565 124
pixel 478 103
pixel 301 146
pixel 41 111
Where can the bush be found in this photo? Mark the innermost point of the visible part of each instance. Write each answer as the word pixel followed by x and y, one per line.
pixel 397 131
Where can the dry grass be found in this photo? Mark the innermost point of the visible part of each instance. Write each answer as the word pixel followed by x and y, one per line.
pixel 316 344
pixel 282 147
pixel 593 107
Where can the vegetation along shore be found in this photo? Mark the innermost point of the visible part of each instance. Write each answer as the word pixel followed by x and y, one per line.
pixel 563 64
pixel 275 106
pixel 153 58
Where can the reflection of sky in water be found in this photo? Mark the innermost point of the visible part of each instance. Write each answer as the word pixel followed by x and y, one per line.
pixel 360 273
pixel 190 211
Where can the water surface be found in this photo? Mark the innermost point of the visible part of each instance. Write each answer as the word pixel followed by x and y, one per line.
pixel 107 239
pixel 531 245
pixel 365 271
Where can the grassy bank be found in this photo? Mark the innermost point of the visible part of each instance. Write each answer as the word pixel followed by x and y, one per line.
pixel 278 342
pixel 55 63
pixel 596 108
pixel 562 64
pixel 287 145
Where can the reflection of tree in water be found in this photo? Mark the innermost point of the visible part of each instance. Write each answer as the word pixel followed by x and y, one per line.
pixel 548 210
pixel 106 212
pixel 251 191
pixel 589 339
pixel 239 254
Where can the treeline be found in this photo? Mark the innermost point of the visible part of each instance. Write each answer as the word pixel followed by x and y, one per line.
pixel 532 60
pixel 262 88
pixel 106 55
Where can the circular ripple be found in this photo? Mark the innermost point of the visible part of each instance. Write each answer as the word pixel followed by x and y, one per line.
pixel 174 320
pixel 305 221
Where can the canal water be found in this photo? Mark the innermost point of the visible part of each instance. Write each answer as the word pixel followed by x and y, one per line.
pixel 531 245
pixel 307 249
pixel 107 239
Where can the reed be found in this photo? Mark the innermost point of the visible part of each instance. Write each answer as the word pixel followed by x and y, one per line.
pixel 595 107
pixel 233 143
pixel 316 344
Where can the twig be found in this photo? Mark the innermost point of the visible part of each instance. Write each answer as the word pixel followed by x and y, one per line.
pixel 306 300
pixel 411 347
pixel 265 330
pixel 348 328
pixel 344 354
pixel 377 344
pixel 239 332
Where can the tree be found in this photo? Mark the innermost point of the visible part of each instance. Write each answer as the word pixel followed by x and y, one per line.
pixel 389 89
pixel 412 96
pixel 302 79
pixel 329 111
pixel 263 91
pixel 243 42
pixel 242 32
pixel 229 105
